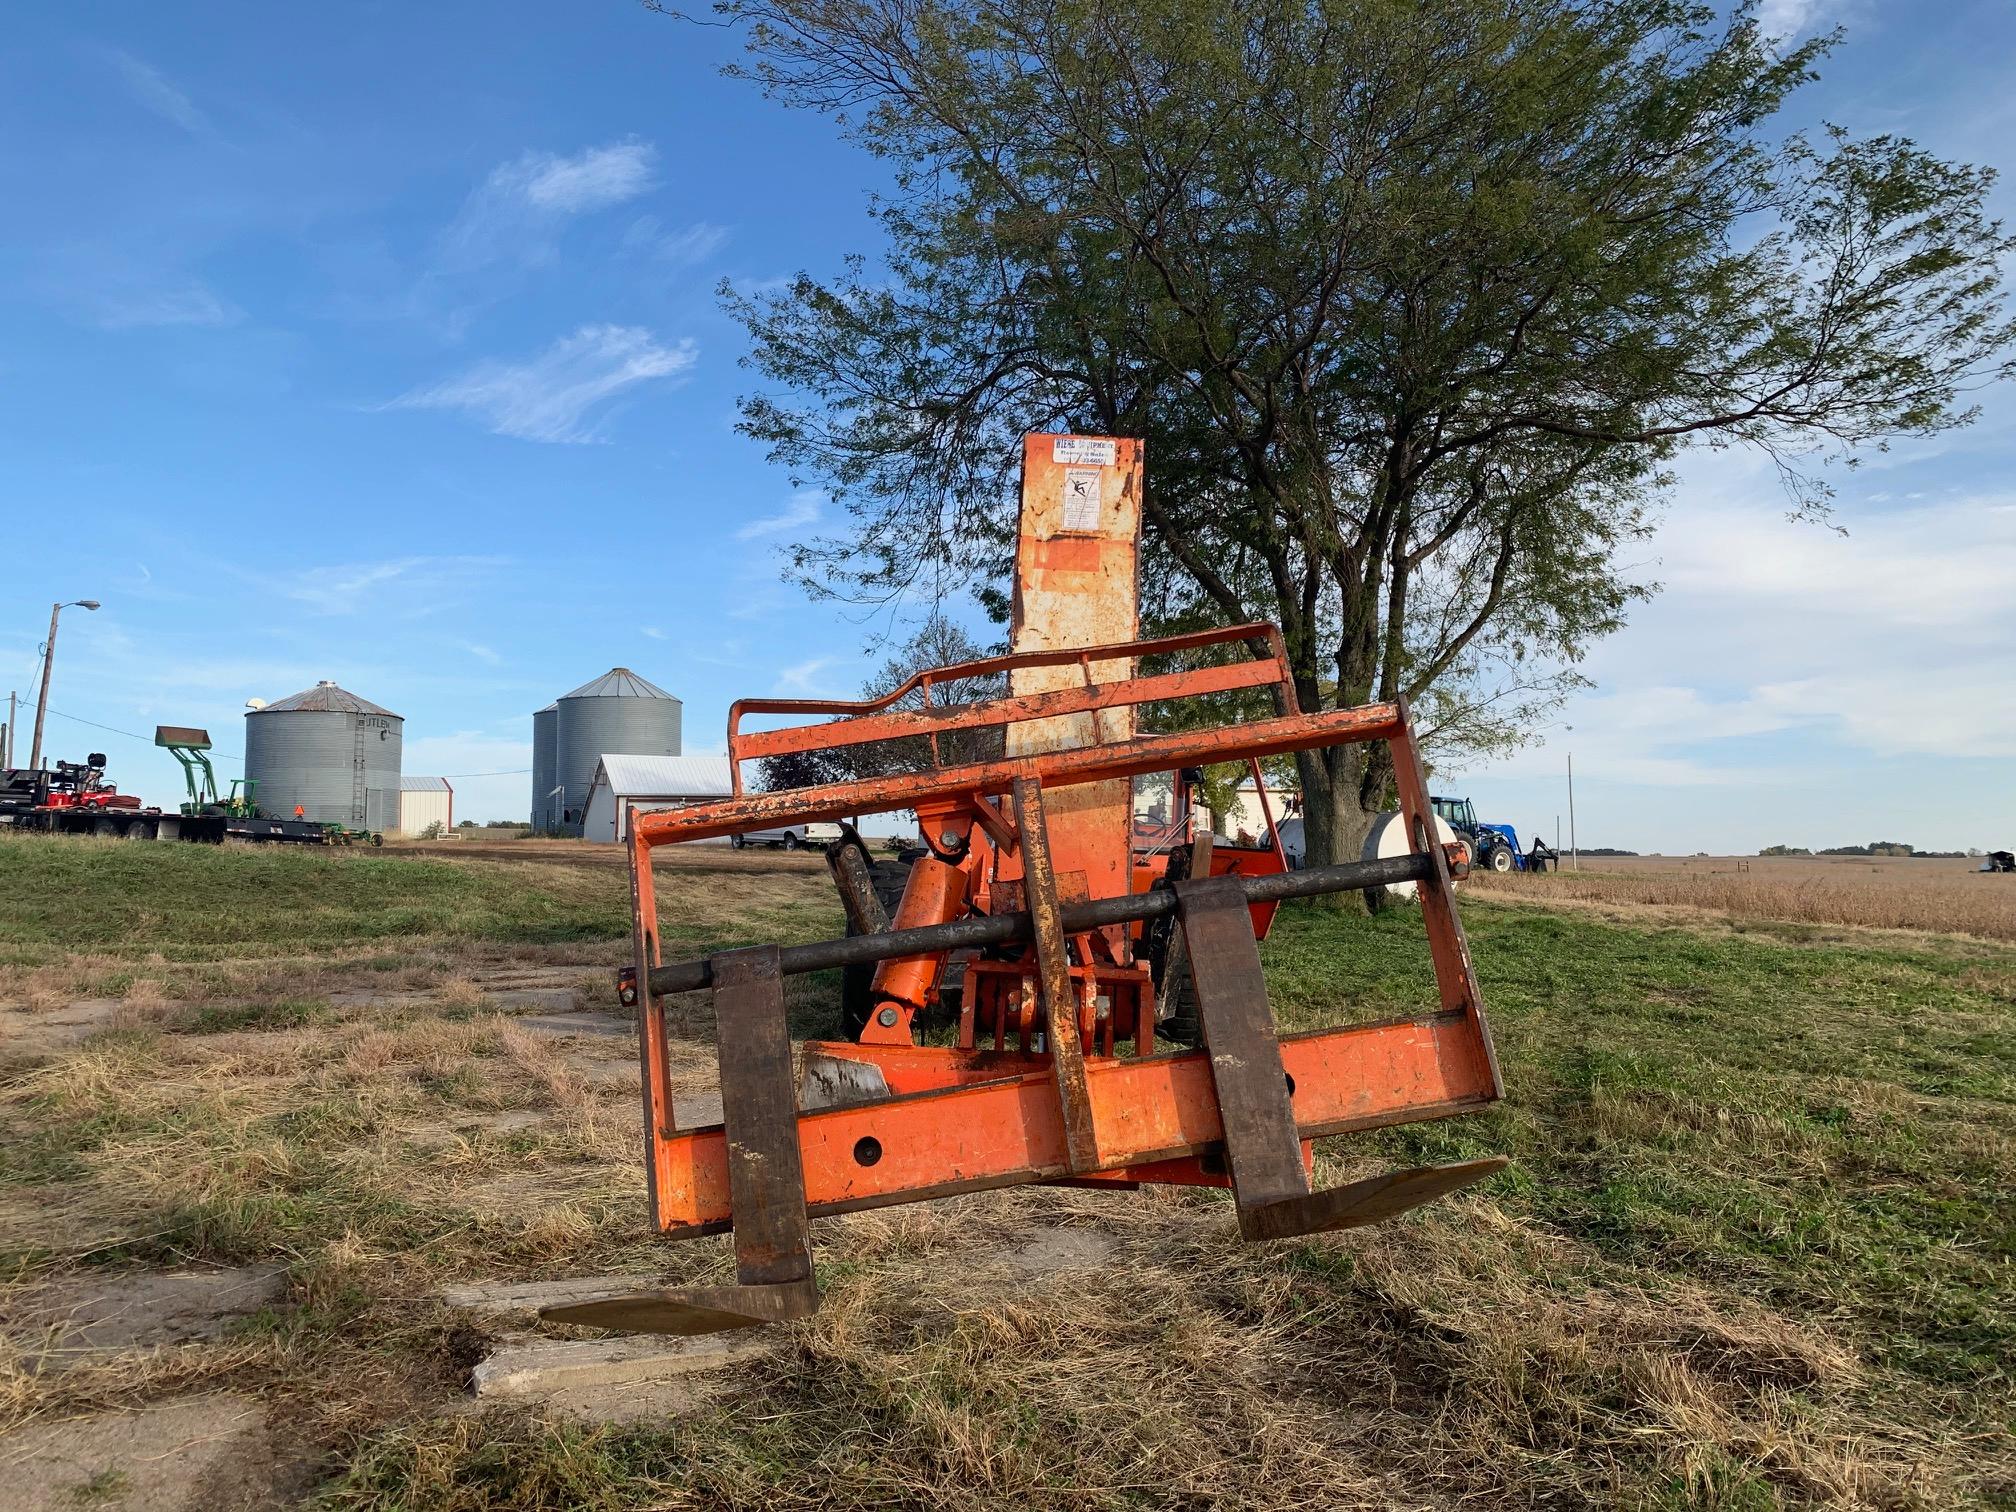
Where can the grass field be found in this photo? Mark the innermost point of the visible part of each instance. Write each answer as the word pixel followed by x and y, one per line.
pixel 1947 896
pixel 1756 1248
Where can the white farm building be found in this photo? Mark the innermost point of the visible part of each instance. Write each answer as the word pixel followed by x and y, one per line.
pixel 622 785
pixel 424 801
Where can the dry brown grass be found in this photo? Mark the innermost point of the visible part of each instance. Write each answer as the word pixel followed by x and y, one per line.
pixel 1940 896
pixel 1712 1281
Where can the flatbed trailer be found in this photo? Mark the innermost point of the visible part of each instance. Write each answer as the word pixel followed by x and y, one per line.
pixel 73 798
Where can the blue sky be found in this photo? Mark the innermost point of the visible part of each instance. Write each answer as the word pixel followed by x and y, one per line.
pixel 380 343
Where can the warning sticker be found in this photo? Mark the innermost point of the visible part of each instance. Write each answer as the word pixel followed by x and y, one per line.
pixel 1081 498
pixel 1101 453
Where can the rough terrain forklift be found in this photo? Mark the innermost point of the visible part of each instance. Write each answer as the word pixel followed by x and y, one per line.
pixel 1031 888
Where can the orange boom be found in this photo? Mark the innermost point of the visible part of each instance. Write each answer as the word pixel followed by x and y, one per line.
pixel 1063 931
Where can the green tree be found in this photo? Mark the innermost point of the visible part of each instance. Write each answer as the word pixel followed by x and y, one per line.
pixel 1414 300
pixel 938 642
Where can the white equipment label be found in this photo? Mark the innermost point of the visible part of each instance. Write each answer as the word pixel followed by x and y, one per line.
pixel 1080 449
pixel 1081 498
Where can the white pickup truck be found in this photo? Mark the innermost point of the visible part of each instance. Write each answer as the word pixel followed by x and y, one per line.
pixel 792 836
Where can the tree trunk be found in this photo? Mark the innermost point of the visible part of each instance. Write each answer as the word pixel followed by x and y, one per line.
pixel 1334 821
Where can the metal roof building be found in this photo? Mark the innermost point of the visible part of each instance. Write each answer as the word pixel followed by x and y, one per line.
pixel 424 801
pixel 618 711
pixel 623 784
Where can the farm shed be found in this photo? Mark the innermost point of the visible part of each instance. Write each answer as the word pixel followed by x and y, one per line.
pixel 1244 812
pixel 424 801
pixel 623 784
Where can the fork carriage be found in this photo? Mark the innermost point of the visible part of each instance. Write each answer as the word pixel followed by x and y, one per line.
pixel 1032 882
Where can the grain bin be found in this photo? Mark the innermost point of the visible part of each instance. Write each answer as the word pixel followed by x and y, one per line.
pixel 331 752
pixel 617 712
pixel 545 747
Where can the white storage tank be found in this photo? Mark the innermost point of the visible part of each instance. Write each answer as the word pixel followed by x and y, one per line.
pixel 334 754
pixel 617 712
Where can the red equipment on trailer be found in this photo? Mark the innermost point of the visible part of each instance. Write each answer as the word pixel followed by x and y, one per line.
pixel 1032 878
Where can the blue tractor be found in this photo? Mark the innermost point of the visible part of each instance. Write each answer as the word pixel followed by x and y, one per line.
pixel 1494 847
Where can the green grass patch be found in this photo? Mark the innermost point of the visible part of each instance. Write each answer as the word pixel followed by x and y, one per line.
pixel 193 902
pixel 229 1018
pixel 1829 1129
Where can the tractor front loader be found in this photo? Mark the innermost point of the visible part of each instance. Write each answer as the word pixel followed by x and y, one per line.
pixel 1032 888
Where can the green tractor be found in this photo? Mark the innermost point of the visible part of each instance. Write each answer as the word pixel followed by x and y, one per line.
pixel 233 815
pixel 188 746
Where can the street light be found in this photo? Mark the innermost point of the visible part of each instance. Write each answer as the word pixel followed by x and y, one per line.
pixel 48 656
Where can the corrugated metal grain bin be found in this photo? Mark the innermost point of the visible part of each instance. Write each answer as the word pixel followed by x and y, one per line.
pixel 331 752
pixel 545 748
pixel 618 711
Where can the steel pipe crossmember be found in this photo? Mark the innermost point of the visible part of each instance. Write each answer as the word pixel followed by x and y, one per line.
pixel 1076 918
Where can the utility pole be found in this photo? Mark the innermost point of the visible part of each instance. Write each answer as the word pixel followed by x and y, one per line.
pixel 1574 856
pixel 48 657
pixel 7 754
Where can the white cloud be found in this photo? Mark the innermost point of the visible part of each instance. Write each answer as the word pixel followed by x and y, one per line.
pixel 800 677
pixel 514 213
pixel 551 396
pixel 189 304
pixel 415 584
pixel 483 653
pixel 1795 684
pixel 590 180
pixel 151 89
pixel 694 243
pixel 1787 21
pixel 653 631
pixel 801 510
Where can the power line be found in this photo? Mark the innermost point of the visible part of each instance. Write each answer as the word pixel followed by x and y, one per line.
pixel 227 756
pixel 129 734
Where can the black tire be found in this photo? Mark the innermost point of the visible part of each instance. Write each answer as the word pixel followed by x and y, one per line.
pixel 790 840
pixel 105 825
pixel 1500 859
pixel 737 841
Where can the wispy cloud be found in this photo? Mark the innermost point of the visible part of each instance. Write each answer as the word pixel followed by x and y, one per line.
pixel 513 215
pixel 589 180
pixel 802 509
pixel 423 583
pixel 150 88
pixel 483 653
pixel 1786 19
pixel 551 396
pixel 799 678
pixel 188 304
pixel 653 631
pixel 691 244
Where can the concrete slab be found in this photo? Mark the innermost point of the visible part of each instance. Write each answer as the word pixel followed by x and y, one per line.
pixel 1061 1249
pixel 31 1032
pixel 503 1297
pixel 89 1318
pixel 607 1025
pixel 545 999
pixel 523 1368
pixel 206 1452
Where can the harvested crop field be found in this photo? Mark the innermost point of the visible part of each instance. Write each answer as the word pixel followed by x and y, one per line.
pixel 258 1154
pixel 1946 895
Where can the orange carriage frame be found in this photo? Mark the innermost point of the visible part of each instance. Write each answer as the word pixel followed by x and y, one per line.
pixel 1240 1112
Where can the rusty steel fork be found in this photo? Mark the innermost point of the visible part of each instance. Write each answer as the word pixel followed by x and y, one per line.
pixel 1256 1096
